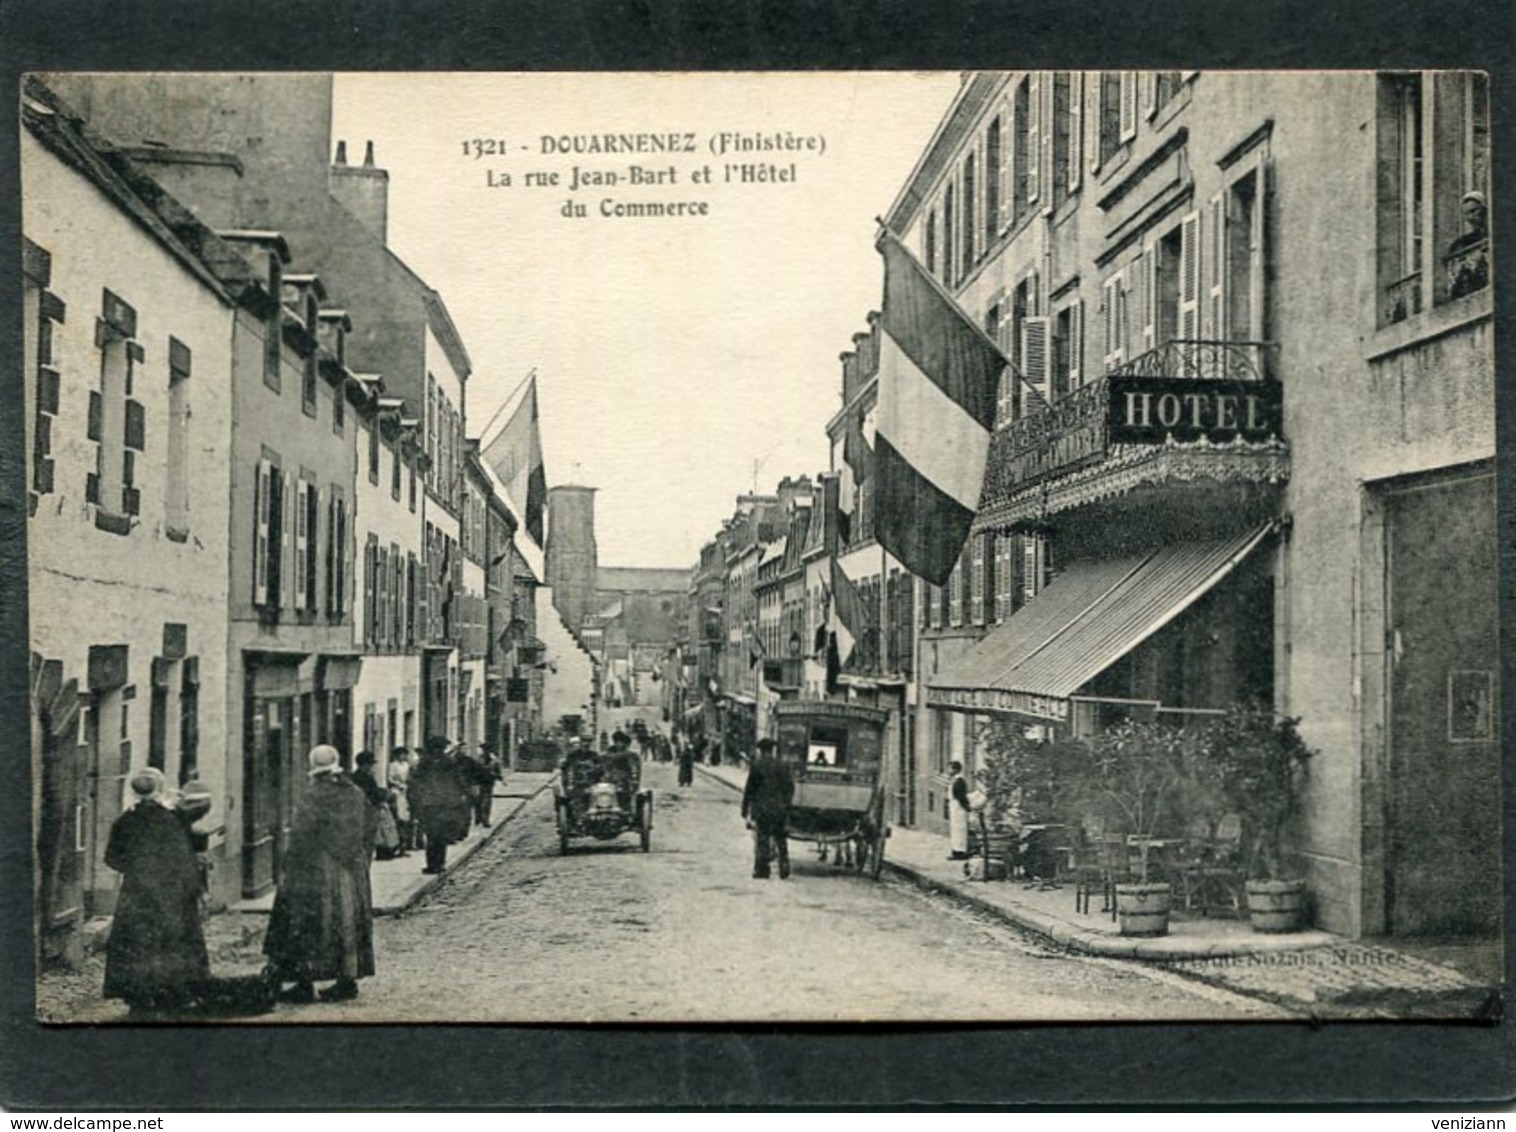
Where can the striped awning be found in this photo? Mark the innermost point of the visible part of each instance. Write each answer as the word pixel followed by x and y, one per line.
pixel 1089 617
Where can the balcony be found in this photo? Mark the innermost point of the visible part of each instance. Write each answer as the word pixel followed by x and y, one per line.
pixel 1191 412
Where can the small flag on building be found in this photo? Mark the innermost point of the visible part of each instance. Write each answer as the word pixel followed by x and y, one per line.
pixel 938 378
pixel 515 455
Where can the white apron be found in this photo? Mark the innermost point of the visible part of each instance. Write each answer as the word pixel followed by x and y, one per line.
pixel 958 823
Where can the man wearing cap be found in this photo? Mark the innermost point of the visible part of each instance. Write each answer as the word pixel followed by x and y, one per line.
pixel 155 958
pixel 440 800
pixel 622 767
pixel 322 924
pixel 766 802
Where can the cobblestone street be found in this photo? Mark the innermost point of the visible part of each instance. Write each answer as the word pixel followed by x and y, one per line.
pixel 608 933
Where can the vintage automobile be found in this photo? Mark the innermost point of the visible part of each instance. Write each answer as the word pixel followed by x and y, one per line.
pixel 601 796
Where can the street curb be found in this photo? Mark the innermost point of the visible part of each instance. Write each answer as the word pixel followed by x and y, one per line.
pixel 1163 949
pixel 425 883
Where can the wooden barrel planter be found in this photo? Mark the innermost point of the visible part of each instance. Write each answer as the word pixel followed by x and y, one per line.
pixel 1276 905
pixel 1143 909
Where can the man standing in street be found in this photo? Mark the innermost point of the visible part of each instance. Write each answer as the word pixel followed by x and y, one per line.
pixel 766 806
pixel 440 800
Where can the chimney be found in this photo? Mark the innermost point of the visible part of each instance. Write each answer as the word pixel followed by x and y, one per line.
pixel 364 190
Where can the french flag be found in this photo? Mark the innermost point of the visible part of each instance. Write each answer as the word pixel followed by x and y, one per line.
pixel 938 377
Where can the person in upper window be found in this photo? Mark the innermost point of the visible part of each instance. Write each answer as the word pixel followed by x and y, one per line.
pixel 1468 256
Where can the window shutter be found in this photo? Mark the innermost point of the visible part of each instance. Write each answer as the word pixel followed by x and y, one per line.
pixel 1215 313
pixel 96 415
pixel 1189 277
pixel 1035 355
pixel 1147 299
pixel 313 542
pixel 1076 343
pixel 340 557
pixel 1076 129
pixel 136 426
pixel 1149 82
pixel 261 505
pixel 47 390
pixel 1033 136
pixel 331 554
pixel 368 592
pixel 1128 106
pixel 1094 110
pixel 300 546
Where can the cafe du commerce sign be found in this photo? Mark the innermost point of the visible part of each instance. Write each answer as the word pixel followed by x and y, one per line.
pixel 1152 410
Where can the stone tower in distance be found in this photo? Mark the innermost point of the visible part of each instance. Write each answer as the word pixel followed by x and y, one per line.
pixel 572 562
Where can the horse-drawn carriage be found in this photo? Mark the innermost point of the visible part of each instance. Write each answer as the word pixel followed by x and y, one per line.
pixel 601 796
pixel 834 752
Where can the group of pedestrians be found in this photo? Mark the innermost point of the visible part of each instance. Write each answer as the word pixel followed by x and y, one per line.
pixel 321 926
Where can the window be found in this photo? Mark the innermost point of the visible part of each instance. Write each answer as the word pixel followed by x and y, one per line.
pixel 189 719
pixel 176 480
pixel 1068 348
pixel 273 337
pixel 1402 152
pixel 1115 99
pixel 411 468
pixel 308 383
pixel 1067 96
pixel 372 429
pixel 41 310
pixel 1021 192
pixel 270 517
pixel 336 554
pixel 339 406
pixel 977 544
pixel 1007 551
pixel 117 422
pixel 1113 308
pixel 1461 184
pixel 947 234
pixel 1159 89
pixel 931 242
pixel 942 744
pixel 992 174
pixel 970 227
pixel 395 470
pixel 955 594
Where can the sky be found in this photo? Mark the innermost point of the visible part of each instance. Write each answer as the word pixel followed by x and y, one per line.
pixel 680 361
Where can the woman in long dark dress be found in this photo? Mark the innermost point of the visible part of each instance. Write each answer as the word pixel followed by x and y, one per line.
pixel 155 958
pixel 322 924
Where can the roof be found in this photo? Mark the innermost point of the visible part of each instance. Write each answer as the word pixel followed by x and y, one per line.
pixel 1092 615
pixel 774 550
pixel 657 579
pixel 205 254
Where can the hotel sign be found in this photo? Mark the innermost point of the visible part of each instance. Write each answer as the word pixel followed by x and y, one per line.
pixel 1152 410
pixel 1077 430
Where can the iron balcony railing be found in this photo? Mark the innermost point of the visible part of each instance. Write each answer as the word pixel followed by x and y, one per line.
pixel 1402 298
pixel 1075 428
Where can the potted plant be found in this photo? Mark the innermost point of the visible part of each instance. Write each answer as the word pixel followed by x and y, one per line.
pixel 1133 778
pixel 1262 762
